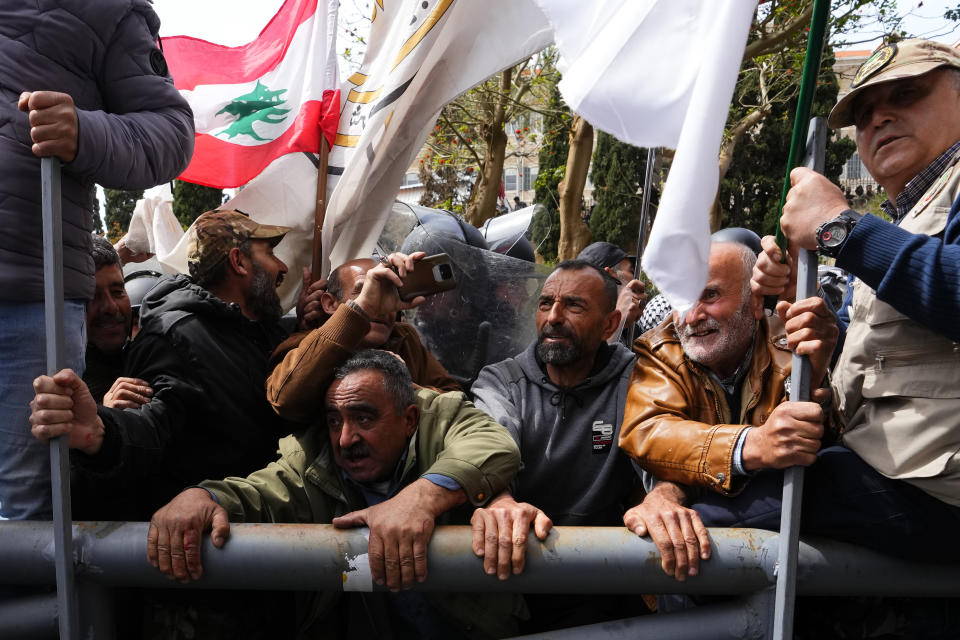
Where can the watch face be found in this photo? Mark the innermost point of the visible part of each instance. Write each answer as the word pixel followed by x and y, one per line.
pixel 834 234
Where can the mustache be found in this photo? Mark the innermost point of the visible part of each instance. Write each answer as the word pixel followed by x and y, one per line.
pixel 105 319
pixel 558 331
pixel 355 451
pixel 687 330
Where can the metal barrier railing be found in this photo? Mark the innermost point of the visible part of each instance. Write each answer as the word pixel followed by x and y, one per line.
pixel 571 560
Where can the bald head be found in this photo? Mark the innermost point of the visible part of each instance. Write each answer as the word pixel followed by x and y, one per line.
pixel 718 330
pixel 346 281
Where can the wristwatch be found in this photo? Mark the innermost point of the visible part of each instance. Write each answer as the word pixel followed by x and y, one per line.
pixel 832 234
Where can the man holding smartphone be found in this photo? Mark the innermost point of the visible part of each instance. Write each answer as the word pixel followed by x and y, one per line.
pixel 363 303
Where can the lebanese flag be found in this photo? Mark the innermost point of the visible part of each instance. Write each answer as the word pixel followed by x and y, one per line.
pixel 255 103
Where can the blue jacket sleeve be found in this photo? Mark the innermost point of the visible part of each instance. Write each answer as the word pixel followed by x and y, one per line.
pixel 144 135
pixel 916 274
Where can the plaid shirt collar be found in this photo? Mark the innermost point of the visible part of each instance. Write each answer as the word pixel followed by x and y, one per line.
pixel 918 185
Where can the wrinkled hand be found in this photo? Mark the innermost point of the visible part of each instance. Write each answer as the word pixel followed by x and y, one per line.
pixel 811 201
pixel 176 531
pixel 400 530
pixel 128 393
pixel 53 123
pixel 677 531
pixel 771 276
pixel 631 300
pixel 63 406
pixel 310 313
pixel 379 296
pixel 789 437
pixel 811 331
pixel 500 533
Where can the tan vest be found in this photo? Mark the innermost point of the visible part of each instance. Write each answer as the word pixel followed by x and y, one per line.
pixel 898 383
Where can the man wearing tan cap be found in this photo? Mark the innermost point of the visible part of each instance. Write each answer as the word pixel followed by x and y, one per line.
pixel 203 348
pixel 894 485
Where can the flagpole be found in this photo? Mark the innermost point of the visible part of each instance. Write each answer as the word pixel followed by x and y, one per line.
pixel 788 548
pixel 644 225
pixel 321 210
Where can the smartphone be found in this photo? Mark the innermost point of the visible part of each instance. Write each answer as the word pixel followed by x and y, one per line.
pixel 433 274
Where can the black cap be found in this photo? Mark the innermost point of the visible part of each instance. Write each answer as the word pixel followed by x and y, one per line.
pixel 604 254
pixel 738 235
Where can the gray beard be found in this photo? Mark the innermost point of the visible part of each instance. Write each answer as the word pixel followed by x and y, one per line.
pixel 735 336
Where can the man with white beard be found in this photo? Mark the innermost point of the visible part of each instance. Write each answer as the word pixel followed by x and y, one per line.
pixel 705 406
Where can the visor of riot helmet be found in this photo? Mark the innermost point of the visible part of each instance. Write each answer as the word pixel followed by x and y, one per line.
pixel 138 284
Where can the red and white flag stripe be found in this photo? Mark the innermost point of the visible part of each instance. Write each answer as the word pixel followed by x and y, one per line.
pixel 257 102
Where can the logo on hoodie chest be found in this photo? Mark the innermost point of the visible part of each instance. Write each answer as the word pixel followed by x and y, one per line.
pixel 602 433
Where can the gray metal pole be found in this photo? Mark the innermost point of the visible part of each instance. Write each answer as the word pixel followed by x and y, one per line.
pixel 800 390
pixel 29 617
pixel 59 451
pixel 741 619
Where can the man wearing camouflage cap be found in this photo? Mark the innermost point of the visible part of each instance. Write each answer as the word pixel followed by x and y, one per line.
pixel 203 348
pixel 895 484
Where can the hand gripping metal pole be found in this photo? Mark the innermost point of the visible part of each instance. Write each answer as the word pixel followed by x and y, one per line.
pixel 59 451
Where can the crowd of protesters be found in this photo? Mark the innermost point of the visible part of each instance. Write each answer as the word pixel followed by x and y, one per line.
pixel 665 422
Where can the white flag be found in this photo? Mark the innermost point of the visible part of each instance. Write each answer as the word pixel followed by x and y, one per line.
pixel 659 73
pixel 421 56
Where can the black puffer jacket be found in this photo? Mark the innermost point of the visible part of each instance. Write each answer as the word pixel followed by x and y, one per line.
pixel 209 416
pixel 135 130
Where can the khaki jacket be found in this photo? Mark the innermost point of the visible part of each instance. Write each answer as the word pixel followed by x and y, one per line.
pixel 677 423
pixel 897 383
pixel 303 364
pixel 453 438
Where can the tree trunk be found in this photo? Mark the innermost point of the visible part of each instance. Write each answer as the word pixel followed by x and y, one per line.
pixel 483 199
pixel 729 145
pixel 574 234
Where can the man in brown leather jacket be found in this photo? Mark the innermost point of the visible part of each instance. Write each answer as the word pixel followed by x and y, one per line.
pixel 705 407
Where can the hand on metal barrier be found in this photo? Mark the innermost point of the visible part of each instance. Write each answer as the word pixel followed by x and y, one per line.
pixel 500 533
pixel 63 406
pixel 400 530
pixel 176 531
pixel 53 123
pixel 678 532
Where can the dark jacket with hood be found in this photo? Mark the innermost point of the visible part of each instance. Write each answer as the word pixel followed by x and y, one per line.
pixel 572 468
pixel 135 130
pixel 208 417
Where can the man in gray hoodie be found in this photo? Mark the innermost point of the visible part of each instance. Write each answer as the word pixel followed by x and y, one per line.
pixel 562 399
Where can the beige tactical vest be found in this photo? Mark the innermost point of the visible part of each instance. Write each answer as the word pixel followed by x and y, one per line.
pixel 897 383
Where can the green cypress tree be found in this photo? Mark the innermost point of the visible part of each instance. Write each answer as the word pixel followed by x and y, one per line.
pixel 119 210
pixel 617 175
pixel 751 190
pixel 545 229
pixel 190 200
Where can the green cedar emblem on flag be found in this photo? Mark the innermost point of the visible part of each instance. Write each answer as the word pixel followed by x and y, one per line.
pixel 261 105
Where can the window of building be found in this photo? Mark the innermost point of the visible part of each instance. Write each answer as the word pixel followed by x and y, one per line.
pixel 510 180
